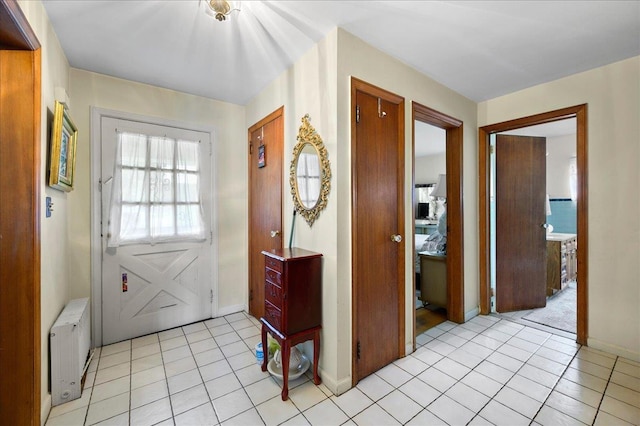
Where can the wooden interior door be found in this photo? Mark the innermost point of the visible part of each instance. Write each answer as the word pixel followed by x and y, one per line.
pixel 520 215
pixel 266 141
pixel 20 201
pixel 378 260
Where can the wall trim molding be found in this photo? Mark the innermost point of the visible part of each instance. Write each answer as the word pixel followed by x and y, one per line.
pixel 338 387
pixel 228 310
pixel 472 313
pixel 613 349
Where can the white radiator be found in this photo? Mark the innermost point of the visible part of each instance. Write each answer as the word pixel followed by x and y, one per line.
pixel 69 340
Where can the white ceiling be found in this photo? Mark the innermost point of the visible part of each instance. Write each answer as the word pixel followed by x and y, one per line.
pixel 481 49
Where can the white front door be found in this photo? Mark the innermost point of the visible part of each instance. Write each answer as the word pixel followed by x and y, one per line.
pixel 151 284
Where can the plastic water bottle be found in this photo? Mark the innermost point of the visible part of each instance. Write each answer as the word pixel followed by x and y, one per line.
pixel 259 354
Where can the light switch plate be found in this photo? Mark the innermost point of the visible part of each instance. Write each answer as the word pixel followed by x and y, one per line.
pixel 49 206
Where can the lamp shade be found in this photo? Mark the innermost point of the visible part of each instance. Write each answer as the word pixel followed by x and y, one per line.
pixel 547 206
pixel 440 190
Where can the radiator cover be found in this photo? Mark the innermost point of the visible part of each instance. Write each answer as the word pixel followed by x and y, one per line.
pixel 70 340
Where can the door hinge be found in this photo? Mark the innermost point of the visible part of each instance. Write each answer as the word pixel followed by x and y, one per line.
pixel 381 113
pixel 251 294
pixel 358 350
pixel 357 113
pixel 250 148
pixel 491 149
pixel 210 238
pixel 492 292
pixel 211 293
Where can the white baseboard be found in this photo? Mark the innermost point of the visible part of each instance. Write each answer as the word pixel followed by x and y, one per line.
pixel 408 349
pixel 45 409
pixel 613 349
pixel 472 313
pixel 227 310
pixel 337 387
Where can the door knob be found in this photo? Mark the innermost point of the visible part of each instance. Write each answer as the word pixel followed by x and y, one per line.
pixel 275 234
pixel 397 238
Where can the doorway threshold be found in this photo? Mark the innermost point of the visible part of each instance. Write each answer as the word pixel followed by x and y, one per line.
pixel 517 317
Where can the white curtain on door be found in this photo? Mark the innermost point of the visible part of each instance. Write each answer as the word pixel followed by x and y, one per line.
pixel 155 195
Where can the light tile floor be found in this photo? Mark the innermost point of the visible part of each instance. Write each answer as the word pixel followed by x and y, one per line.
pixel 489 370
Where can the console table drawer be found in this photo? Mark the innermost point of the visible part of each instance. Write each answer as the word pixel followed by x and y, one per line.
pixel 272 263
pixel 273 276
pixel 273 294
pixel 273 315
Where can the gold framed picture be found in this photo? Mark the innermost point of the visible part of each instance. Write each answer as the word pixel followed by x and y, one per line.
pixel 64 135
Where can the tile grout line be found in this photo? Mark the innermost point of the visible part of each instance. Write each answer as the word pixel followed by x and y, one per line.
pixel 556 385
pixel 514 374
pixel 130 376
pixel 477 412
pixel 166 379
pixel 554 388
pixel 86 414
pixel 204 383
pixel 253 406
pixel 604 391
pixel 238 379
pixel 460 380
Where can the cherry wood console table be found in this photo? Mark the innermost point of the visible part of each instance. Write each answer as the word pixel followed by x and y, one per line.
pixel 293 305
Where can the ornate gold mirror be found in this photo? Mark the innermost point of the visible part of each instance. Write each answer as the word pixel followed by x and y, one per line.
pixel 309 174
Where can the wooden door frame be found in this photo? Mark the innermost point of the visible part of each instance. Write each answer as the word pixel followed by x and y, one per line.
pixel 20 191
pixel 275 114
pixel 360 85
pixel 455 214
pixel 579 112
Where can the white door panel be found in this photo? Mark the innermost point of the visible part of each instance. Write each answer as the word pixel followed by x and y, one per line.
pixel 148 288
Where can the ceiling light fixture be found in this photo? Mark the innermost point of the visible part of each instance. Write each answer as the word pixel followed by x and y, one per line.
pixel 220 9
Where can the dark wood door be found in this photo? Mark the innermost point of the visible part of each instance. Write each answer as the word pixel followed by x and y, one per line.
pixel 20 219
pixel 266 140
pixel 378 259
pixel 520 216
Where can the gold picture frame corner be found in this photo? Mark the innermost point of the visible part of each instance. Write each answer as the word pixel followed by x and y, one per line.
pixel 64 138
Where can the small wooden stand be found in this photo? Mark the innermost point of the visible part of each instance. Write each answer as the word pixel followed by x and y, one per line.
pixel 292 305
pixel 286 343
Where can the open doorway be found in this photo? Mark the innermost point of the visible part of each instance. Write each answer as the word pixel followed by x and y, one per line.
pixel 579 112
pixel 557 284
pixel 445 262
pixel 429 206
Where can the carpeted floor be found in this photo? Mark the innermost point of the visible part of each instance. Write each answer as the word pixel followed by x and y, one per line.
pixel 560 311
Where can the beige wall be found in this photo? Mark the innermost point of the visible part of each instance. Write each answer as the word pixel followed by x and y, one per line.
pixel 227 120
pixel 313 86
pixel 612 93
pixel 309 87
pixel 54 292
pixel 360 60
pixel 319 84
pixel 560 149
pixel 428 168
